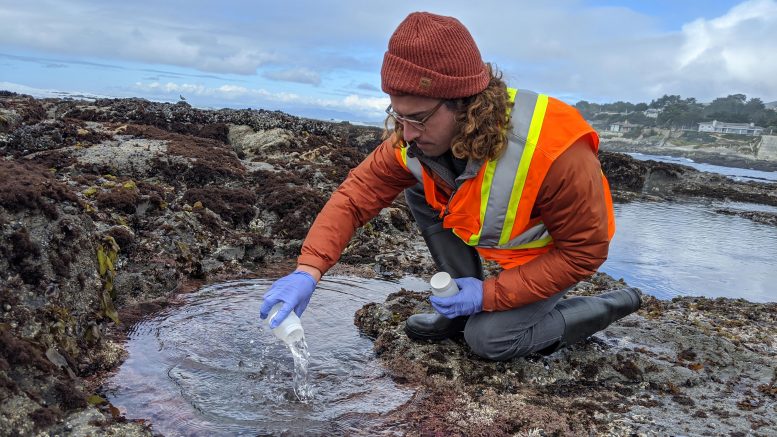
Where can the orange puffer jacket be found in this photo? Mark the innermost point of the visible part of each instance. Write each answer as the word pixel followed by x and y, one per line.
pixel 571 204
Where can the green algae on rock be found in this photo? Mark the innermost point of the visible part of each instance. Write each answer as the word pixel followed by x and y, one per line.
pixel 192 196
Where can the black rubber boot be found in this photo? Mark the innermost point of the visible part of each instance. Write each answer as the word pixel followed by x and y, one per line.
pixel 434 327
pixel 586 315
pixel 451 255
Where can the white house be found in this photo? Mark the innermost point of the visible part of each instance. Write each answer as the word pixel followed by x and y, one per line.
pixel 651 112
pixel 731 128
pixel 624 127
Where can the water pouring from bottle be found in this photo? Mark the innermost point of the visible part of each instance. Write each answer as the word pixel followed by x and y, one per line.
pixel 291 333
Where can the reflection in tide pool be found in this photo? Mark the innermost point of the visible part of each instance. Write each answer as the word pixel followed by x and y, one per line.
pixel 670 249
pixel 211 367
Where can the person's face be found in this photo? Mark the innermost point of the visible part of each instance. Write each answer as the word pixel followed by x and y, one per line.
pixel 434 135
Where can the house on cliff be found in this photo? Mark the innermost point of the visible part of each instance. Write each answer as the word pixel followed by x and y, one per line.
pixel 731 128
pixel 623 127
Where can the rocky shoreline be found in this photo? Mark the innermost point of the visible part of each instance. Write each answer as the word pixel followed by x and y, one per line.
pixel 110 208
pixel 701 153
pixel 690 366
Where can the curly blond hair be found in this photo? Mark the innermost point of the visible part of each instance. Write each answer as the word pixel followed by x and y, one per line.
pixel 481 121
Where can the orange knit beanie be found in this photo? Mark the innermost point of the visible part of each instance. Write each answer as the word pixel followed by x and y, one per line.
pixel 433 56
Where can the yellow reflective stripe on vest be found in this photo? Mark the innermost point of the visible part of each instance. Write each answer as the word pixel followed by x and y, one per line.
pixel 487 184
pixel 412 164
pixel 542 242
pixel 511 92
pixel 507 166
pixel 403 154
pixel 536 236
pixel 523 169
pixel 504 179
pixel 485 191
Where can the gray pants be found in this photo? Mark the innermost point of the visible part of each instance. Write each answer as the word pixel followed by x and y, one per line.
pixel 500 335
pixel 503 335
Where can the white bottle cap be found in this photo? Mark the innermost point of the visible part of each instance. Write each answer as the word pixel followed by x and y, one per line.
pixel 443 285
pixel 290 330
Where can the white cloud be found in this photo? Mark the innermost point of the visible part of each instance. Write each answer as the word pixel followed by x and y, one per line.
pixel 735 51
pixel 567 48
pixel 608 54
pixel 42 93
pixel 369 107
pixel 80 29
pixel 236 38
pixel 375 104
pixel 299 75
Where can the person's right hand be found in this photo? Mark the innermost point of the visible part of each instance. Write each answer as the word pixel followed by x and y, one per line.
pixel 293 290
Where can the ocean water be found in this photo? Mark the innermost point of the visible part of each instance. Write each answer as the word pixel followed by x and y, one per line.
pixel 737 174
pixel 687 249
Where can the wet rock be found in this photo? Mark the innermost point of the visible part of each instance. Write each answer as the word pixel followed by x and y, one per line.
pixel 661 180
pixel 229 253
pixel 767 218
pixel 108 208
pixel 257 144
pixel 742 152
pixel 26 186
pixel 9 120
pixel 233 205
pixel 645 374
pixel 128 156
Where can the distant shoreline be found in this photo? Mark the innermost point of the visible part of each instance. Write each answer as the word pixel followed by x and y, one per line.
pixel 699 156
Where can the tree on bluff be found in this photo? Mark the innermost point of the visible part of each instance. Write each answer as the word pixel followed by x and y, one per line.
pixel 735 108
pixel 677 112
pixel 681 113
pixel 665 101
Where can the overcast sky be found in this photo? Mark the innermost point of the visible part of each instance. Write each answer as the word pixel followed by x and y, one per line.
pixel 322 59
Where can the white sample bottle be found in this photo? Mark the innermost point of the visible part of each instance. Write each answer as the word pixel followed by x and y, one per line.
pixel 443 285
pixel 290 330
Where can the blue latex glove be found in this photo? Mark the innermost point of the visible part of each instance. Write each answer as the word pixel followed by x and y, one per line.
pixel 468 301
pixel 294 290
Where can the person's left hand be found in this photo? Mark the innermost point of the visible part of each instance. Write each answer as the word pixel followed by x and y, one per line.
pixel 294 291
pixel 468 301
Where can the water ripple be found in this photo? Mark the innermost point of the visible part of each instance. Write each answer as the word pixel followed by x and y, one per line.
pixel 209 367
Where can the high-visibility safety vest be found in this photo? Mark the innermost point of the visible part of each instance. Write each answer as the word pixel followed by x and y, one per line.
pixel 492 211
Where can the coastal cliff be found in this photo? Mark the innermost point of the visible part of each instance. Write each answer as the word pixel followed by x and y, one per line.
pixel 731 150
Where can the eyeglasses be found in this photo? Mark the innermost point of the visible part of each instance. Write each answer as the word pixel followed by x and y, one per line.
pixel 417 124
